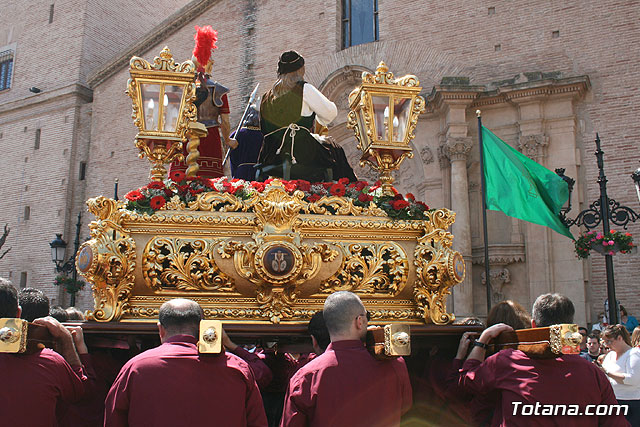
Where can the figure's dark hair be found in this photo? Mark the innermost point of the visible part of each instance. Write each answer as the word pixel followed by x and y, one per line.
pixel 510 313
pixel 8 299
pixel 181 317
pixel 593 336
pixel 552 309
pixel 319 330
pixel 34 303
pixel 59 313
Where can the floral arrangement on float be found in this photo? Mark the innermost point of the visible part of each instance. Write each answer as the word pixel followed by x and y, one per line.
pixel 605 243
pixel 179 187
pixel 69 284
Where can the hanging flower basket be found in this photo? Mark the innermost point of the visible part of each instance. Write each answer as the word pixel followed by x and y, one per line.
pixel 607 244
pixel 70 284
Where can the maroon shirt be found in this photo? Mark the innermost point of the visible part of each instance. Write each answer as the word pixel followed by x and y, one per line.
pixel 33 387
pixel 346 386
pixel 565 380
pixel 261 371
pixel 173 385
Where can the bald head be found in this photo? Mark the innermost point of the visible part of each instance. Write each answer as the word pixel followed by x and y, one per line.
pixel 180 317
pixel 341 311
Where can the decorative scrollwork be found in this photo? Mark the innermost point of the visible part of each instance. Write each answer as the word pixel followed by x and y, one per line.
pixel 341 206
pixel 164 62
pixel 183 264
pixel 591 217
pixel 379 268
pixel 112 274
pixel 438 269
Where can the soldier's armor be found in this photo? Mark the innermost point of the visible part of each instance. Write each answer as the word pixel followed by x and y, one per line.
pixel 209 101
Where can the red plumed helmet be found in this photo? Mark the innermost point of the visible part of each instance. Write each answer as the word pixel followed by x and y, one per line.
pixel 205 38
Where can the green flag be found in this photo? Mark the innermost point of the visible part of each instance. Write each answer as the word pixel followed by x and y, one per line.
pixel 520 187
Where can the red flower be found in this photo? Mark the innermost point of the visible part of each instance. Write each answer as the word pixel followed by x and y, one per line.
pixel 327 185
pixel 157 202
pixel 182 189
pixel 157 185
pixel 313 198
pixel 343 181
pixel 410 196
pixel 364 198
pixel 398 197
pixel 195 191
pixel 134 196
pixel 360 185
pixel 177 176
pixel 259 186
pixel 304 185
pixel 290 186
pixel 426 208
pixel 337 190
pixel 168 192
pixel 399 204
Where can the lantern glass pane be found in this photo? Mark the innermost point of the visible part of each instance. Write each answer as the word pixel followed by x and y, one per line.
pixel 171 102
pixel 401 110
pixel 381 116
pixel 363 129
pixel 150 105
pixel 57 253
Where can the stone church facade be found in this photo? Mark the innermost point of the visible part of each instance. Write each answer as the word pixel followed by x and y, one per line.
pixel 545 80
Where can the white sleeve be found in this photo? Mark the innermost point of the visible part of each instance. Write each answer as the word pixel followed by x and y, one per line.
pixel 313 101
pixel 632 376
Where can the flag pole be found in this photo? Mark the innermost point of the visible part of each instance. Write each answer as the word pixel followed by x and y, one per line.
pixel 484 213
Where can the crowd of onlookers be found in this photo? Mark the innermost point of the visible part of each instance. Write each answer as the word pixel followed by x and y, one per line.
pixel 339 384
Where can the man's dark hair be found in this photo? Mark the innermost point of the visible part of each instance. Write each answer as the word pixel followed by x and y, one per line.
pixel 593 336
pixel 552 309
pixel 59 313
pixel 582 328
pixel 8 299
pixel 181 316
pixel 34 304
pixel 319 330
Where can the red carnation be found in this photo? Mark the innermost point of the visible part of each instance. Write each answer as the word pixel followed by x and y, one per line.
pixel 177 176
pixel 360 185
pixel 410 196
pixel 313 198
pixel 259 186
pixel 364 198
pixel 134 196
pixel 304 185
pixel 157 185
pixel 426 208
pixel 338 190
pixel 157 202
pixel 399 204
pixel 343 181
pixel 290 186
pixel 327 185
pixel 168 192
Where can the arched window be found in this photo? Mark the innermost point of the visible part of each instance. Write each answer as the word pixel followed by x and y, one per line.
pixel 359 22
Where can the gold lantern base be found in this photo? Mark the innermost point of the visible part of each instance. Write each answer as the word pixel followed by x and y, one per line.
pixel 273 258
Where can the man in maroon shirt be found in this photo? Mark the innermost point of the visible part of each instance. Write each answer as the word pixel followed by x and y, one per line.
pixel 173 385
pixel 33 386
pixel 346 386
pixel 538 392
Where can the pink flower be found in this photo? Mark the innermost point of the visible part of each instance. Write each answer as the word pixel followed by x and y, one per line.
pixel 605 243
pixel 611 242
pixel 599 236
pixel 611 253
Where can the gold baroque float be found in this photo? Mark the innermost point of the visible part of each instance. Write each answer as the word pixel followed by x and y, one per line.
pixel 273 258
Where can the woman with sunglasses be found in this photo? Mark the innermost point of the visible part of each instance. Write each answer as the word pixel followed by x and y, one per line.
pixel 622 367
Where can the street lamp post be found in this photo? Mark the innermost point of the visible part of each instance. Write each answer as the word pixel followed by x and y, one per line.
pixel 58 249
pixel 602 211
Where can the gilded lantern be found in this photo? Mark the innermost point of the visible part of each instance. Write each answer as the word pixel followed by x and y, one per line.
pixel 163 95
pixel 384 113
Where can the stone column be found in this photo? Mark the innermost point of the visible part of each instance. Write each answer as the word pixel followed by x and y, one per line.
pixel 457 150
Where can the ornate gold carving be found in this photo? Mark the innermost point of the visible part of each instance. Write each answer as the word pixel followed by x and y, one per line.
pixel 164 62
pixel 196 131
pixel 380 268
pixel 111 275
pixel 183 264
pixel 438 269
pixel 342 206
